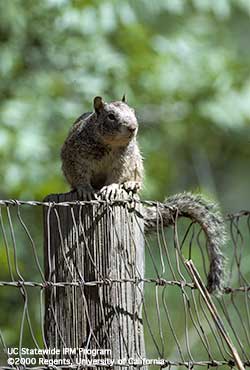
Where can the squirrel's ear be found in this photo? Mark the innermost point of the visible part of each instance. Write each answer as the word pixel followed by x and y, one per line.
pixel 124 99
pixel 98 104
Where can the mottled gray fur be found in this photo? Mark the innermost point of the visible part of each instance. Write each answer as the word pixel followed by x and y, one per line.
pixel 101 151
pixel 205 213
pixel 101 148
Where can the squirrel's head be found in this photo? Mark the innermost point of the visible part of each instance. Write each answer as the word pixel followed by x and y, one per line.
pixel 116 122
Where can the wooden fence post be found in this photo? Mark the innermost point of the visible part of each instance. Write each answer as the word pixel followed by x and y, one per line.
pixel 98 250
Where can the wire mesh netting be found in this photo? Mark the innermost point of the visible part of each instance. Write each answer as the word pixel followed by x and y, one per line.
pixel 93 298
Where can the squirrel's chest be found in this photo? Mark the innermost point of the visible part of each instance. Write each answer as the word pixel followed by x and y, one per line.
pixel 103 171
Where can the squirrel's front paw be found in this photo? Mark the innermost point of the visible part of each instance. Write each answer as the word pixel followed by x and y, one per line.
pixel 109 192
pixel 131 186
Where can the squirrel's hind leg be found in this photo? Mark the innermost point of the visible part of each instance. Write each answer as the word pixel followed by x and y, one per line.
pixel 84 192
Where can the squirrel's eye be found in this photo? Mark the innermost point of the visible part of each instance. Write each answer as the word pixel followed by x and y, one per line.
pixel 111 116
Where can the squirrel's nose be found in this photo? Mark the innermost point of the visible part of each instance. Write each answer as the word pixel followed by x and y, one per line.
pixel 132 128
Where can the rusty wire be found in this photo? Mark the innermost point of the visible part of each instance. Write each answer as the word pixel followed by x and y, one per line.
pixel 178 329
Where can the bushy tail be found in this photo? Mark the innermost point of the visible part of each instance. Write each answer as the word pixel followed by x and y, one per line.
pixel 206 214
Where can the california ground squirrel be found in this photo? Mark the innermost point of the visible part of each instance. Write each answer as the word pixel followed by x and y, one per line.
pixel 101 149
pixel 101 154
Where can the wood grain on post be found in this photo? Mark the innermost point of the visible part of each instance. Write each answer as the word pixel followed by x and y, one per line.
pixel 98 249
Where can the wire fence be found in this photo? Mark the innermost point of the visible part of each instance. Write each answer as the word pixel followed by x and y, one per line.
pixel 80 299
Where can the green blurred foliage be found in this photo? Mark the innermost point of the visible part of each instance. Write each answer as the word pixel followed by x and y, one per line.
pixel 184 66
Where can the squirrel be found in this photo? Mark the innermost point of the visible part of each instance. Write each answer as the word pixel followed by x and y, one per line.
pixel 101 151
pixel 101 154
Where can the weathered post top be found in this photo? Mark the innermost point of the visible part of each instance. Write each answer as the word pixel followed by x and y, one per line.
pixel 94 257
